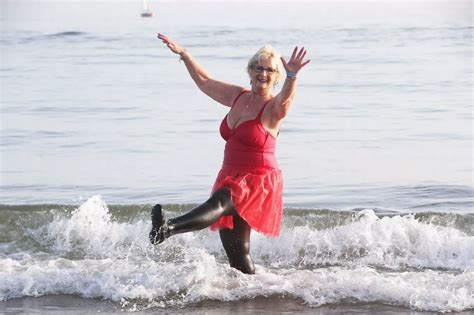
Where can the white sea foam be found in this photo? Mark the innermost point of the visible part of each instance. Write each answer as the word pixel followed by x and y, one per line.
pixel 196 280
pixel 91 232
pixel 396 260
pixel 390 242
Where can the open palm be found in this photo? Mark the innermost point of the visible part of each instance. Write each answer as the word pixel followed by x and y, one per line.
pixel 173 46
pixel 296 62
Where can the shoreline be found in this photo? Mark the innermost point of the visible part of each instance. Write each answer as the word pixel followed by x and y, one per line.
pixel 70 304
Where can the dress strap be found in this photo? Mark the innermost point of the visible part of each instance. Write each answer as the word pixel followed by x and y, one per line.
pixel 238 96
pixel 259 116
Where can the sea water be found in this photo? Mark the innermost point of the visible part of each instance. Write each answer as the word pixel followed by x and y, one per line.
pixel 423 261
pixel 99 121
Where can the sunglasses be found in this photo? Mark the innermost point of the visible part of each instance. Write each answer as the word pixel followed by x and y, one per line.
pixel 260 69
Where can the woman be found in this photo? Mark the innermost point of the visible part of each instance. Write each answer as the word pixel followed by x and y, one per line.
pixel 247 192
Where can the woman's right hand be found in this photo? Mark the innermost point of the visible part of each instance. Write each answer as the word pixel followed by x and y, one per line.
pixel 174 47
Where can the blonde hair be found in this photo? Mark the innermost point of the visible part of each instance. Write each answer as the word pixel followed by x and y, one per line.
pixel 267 51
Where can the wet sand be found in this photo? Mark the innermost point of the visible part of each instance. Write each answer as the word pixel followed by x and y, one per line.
pixel 68 304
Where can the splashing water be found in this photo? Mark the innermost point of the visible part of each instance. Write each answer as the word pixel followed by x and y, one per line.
pixel 94 253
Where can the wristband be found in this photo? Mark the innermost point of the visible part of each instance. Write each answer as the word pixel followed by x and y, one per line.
pixel 291 75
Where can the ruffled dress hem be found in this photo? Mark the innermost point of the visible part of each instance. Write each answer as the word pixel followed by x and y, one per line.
pixel 256 193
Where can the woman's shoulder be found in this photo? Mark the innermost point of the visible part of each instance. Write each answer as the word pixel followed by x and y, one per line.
pixel 239 95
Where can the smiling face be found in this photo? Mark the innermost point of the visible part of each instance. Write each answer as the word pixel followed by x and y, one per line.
pixel 263 74
pixel 265 59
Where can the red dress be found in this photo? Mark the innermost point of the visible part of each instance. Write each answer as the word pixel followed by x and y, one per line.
pixel 250 171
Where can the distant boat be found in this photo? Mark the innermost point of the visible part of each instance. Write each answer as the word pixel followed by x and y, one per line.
pixel 146 12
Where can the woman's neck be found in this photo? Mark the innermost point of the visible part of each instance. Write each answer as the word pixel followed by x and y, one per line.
pixel 261 94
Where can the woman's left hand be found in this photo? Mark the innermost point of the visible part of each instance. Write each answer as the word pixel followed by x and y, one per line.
pixel 296 61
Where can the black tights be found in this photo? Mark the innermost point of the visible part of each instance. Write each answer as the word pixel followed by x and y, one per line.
pixel 236 242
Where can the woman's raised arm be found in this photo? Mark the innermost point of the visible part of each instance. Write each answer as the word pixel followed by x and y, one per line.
pixel 221 92
pixel 284 99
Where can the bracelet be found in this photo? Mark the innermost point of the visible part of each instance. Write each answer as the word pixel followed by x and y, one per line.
pixel 291 75
pixel 181 55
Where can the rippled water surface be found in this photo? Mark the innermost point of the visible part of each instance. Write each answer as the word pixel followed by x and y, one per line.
pixel 99 122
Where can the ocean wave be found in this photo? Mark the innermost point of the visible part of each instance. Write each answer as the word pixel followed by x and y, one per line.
pixel 396 243
pixel 350 258
pixel 200 277
pixel 60 37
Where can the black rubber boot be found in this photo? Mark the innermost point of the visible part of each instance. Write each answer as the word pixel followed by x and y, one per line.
pixel 159 230
pixel 197 219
